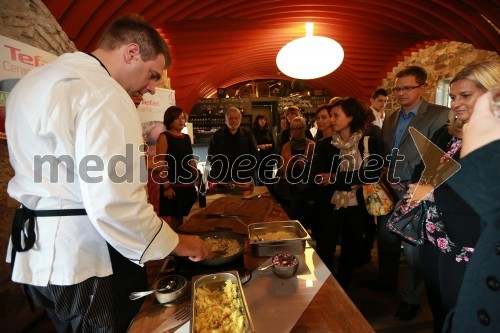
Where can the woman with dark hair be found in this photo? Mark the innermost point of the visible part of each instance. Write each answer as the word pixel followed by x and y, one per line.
pixel 265 144
pixel 346 175
pixel 178 192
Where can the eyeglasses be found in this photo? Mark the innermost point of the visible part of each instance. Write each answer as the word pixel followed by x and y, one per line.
pixel 404 89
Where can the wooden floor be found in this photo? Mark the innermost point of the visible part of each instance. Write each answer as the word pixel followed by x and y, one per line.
pixel 377 307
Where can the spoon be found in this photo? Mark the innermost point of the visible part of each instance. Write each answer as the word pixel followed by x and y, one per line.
pixel 138 294
pixel 284 262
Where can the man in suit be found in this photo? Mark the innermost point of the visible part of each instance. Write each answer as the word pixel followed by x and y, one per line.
pixel 403 156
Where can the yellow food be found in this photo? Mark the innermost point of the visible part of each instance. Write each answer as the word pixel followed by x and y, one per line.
pixel 274 235
pixel 223 247
pixel 219 310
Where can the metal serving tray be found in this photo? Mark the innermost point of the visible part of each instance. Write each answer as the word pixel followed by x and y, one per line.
pixel 217 281
pixel 270 248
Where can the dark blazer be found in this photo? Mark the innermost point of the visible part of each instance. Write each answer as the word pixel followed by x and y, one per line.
pixel 478 305
pixel 429 119
pixel 227 148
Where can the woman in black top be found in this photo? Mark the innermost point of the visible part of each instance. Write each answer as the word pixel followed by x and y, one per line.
pixel 265 144
pixel 178 192
pixel 344 170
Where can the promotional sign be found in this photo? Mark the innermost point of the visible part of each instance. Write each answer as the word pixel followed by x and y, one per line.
pixel 17 59
pixel 151 111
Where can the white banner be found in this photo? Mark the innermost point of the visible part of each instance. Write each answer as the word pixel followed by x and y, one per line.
pixel 17 59
pixel 151 111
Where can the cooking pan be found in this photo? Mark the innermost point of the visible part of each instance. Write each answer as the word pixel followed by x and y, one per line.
pixel 221 260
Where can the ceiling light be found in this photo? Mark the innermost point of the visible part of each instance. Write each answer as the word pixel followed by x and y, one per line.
pixel 309 57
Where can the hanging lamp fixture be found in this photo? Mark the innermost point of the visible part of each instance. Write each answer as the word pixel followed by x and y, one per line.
pixel 309 57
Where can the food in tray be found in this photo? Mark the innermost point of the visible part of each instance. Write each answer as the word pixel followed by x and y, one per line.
pixel 222 247
pixel 219 310
pixel 274 236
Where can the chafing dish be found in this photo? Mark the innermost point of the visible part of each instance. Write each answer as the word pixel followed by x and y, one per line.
pixel 216 282
pixel 266 248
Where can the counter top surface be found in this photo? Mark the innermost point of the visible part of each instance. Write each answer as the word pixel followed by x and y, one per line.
pixel 315 300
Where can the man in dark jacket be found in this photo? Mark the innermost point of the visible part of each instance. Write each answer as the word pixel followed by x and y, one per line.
pixel 232 152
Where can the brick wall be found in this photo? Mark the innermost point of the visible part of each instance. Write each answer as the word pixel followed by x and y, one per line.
pixel 441 61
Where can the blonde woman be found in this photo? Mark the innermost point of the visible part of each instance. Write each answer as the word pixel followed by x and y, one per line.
pixel 454 229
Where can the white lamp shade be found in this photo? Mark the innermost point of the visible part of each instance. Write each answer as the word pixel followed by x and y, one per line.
pixel 310 57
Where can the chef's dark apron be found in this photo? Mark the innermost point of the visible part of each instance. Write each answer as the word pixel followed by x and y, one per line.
pixel 127 276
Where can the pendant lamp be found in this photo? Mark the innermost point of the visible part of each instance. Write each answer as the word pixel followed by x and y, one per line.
pixel 309 57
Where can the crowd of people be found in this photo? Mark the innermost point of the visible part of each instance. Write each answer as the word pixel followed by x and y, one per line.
pixel 93 237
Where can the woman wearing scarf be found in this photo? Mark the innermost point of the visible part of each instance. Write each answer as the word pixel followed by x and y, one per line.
pixel 348 173
pixel 296 155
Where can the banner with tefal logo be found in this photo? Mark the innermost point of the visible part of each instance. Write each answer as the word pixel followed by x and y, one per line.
pixel 17 59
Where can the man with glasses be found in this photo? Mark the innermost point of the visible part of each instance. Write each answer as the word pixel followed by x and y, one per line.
pixel 402 155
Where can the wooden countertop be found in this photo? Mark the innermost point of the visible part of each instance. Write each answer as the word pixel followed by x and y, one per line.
pixel 330 310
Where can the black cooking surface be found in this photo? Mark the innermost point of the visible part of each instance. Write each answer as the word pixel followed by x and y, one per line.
pixel 188 268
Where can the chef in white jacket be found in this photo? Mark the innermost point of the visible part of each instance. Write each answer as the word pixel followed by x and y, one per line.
pixel 75 142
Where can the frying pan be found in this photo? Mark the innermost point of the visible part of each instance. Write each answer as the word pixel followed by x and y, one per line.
pixel 223 260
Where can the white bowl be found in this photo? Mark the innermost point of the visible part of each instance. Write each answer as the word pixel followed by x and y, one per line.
pixel 168 296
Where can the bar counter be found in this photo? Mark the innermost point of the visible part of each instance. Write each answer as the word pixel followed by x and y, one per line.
pixel 311 302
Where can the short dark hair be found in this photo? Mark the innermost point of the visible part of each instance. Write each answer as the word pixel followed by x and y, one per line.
pixel 418 72
pixel 355 108
pixel 171 114
pixel 134 29
pixel 378 92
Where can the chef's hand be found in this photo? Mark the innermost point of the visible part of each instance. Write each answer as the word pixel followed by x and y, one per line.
pixel 193 247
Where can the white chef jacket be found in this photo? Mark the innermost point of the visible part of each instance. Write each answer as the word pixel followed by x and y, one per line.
pixel 72 109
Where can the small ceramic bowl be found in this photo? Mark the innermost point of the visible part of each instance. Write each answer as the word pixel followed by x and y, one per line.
pixel 177 291
pixel 286 265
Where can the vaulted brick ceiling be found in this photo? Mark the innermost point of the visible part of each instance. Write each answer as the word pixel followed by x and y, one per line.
pixel 217 43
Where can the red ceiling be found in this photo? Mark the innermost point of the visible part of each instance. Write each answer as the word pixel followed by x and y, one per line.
pixel 217 43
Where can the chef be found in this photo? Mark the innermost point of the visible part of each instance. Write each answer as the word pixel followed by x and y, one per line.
pixel 85 229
